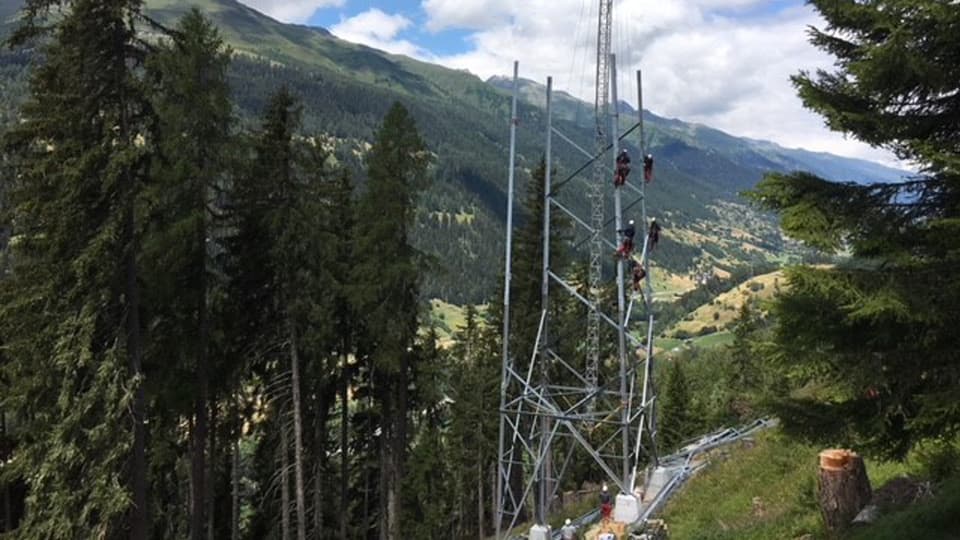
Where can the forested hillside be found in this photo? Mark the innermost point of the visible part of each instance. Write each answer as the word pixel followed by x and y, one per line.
pixel 215 264
pixel 346 88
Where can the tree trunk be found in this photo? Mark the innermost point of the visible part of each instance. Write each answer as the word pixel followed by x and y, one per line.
pixel 284 481
pixel 344 455
pixel 297 436
pixel 366 485
pixel 198 467
pixel 138 466
pixel 318 502
pixel 235 475
pixel 395 429
pixel 494 471
pixel 211 479
pixel 7 513
pixel 382 503
pixel 320 470
pixel 201 488
pixel 480 530
pixel 843 488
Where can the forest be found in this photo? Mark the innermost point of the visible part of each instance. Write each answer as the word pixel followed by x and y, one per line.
pixel 214 324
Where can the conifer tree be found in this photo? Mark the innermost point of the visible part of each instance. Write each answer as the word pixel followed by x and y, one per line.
pixel 875 337
pixel 388 275
pixel 192 103
pixel 71 308
pixel 675 413
pixel 528 265
pixel 475 395
pixel 341 231
pixel 427 494
pixel 281 281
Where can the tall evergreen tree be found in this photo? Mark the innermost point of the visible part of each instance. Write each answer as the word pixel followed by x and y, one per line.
pixel 388 274
pixel 341 231
pixel 527 271
pixel 874 339
pixel 280 286
pixel 675 413
pixel 71 309
pixel 193 108
pixel 475 394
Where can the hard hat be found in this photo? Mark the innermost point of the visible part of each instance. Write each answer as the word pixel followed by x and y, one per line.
pixel 604 487
pixel 631 222
pixel 567 522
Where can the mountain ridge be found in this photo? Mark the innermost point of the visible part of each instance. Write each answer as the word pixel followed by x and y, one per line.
pixel 831 166
pixel 346 89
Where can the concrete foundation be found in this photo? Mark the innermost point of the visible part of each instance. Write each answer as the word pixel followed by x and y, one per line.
pixel 539 532
pixel 658 479
pixel 627 509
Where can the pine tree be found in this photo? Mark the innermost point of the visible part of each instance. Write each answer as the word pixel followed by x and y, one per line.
pixel 427 494
pixel 341 243
pixel 192 103
pixel 71 308
pixel 388 277
pixel 278 213
pixel 874 337
pixel 527 272
pixel 675 413
pixel 475 395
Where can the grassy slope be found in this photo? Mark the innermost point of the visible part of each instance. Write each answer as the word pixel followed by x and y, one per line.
pixel 718 504
pixel 726 306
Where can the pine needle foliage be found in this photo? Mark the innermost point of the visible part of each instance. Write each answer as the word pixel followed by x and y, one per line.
pixel 869 346
pixel 68 310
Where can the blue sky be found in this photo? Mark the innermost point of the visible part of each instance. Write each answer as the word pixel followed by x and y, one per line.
pixel 723 63
pixel 443 43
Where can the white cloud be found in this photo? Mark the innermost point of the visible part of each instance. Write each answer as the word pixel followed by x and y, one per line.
pixel 728 69
pixel 379 30
pixel 470 14
pixel 291 11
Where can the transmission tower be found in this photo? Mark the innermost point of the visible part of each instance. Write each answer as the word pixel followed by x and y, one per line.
pixel 552 407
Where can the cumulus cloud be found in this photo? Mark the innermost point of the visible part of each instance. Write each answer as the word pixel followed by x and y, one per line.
pixel 723 63
pixel 379 30
pixel 292 11
pixel 468 14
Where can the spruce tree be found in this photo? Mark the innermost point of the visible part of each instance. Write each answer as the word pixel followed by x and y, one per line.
pixel 191 99
pixel 872 340
pixel 71 309
pixel 475 395
pixel 341 233
pixel 280 288
pixel 388 276
pixel 675 412
pixel 527 271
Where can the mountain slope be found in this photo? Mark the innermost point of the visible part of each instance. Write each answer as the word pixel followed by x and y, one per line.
pixel 749 153
pixel 346 89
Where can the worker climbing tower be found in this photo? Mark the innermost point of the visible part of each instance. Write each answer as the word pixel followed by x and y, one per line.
pixel 601 404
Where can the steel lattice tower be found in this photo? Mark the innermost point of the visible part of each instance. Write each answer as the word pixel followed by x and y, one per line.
pixel 595 192
pixel 588 406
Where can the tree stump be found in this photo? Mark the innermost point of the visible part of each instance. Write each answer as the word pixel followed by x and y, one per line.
pixel 843 487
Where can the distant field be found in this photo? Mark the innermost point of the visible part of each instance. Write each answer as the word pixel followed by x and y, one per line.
pixel 717 339
pixel 449 318
pixel 723 310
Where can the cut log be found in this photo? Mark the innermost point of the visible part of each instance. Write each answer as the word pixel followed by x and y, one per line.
pixel 843 487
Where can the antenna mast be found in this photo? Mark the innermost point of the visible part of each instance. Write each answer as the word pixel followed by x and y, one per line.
pixel 595 193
